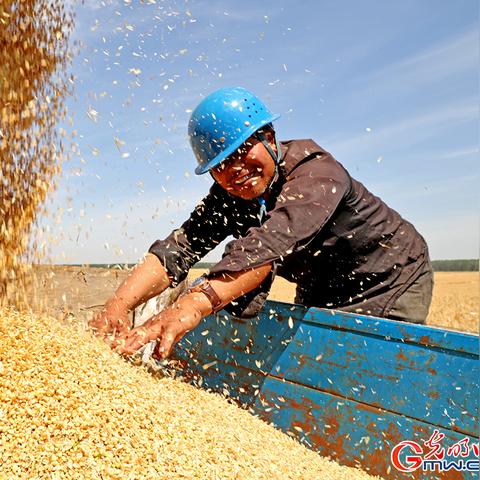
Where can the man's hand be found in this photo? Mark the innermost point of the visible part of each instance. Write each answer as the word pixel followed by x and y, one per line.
pixel 146 280
pixel 111 320
pixel 168 327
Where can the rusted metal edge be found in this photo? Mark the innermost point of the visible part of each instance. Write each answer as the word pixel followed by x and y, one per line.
pixel 315 419
pixel 368 405
pixel 197 369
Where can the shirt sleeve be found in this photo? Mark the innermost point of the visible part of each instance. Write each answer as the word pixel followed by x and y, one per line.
pixel 184 247
pixel 307 200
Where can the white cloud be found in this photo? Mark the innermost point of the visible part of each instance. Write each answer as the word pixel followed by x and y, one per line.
pixel 229 14
pixel 452 57
pixel 408 131
pixel 462 152
pixel 91 4
pixel 452 236
pixel 128 226
pixel 426 189
pixel 103 18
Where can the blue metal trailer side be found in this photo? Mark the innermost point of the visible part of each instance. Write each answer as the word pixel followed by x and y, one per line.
pixel 349 386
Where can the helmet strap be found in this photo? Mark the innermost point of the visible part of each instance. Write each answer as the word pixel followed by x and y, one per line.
pixel 275 156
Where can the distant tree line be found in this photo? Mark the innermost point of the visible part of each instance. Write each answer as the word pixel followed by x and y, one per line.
pixel 464 265
pixel 204 265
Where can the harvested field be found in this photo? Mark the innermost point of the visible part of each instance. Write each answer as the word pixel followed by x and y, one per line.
pixel 82 290
pixel 71 408
pixel 456 301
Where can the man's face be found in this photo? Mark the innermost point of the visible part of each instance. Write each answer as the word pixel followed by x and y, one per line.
pixel 248 171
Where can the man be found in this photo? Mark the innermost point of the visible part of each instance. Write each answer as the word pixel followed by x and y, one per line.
pixel 294 211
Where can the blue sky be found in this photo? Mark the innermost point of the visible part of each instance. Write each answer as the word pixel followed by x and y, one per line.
pixel 389 88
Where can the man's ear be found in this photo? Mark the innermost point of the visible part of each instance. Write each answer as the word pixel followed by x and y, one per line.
pixel 269 133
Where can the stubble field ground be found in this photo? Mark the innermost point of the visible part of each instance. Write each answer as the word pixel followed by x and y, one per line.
pixel 80 291
pixel 455 302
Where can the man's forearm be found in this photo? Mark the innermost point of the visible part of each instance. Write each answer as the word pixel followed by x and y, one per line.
pixel 146 280
pixel 228 287
pixel 170 325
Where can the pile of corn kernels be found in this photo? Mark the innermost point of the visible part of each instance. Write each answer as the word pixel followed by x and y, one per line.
pixel 72 408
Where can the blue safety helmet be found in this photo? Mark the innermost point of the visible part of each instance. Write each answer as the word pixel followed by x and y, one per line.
pixel 222 122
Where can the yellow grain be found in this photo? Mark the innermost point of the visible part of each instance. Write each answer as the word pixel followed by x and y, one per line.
pixel 456 301
pixel 32 88
pixel 72 409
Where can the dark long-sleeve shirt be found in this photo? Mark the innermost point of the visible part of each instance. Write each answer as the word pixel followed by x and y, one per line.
pixel 341 245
